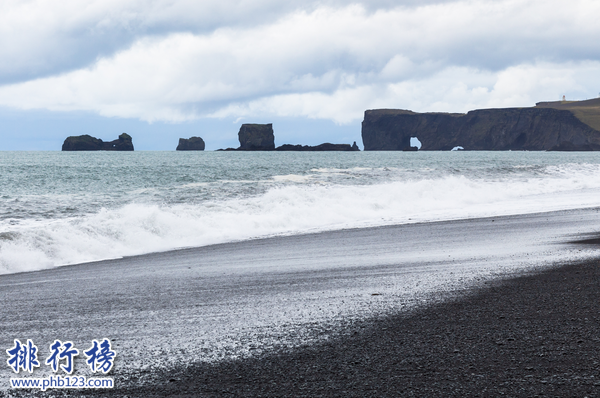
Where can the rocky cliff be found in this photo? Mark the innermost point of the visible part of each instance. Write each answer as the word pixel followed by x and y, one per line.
pixel 89 143
pixel 538 128
pixel 256 137
pixel 190 144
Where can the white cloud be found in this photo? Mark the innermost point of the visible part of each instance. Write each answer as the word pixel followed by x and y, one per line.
pixel 325 62
pixel 454 89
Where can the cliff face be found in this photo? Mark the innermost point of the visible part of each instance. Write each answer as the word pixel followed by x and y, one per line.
pixel 485 129
pixel 587 111
pixel 190 144
pixel 89 143
pixel 256 137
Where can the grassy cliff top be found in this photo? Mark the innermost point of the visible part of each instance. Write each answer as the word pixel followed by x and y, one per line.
pixel 386 111
pixel 587 111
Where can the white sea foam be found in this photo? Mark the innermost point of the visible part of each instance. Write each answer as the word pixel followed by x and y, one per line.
pixel 138 228
pixel 292 178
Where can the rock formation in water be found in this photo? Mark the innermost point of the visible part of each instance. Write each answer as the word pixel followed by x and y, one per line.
pixel 256 137
pixel 260 137
pixel 89 143
pixel 560 126
pixel 322 147
pixel 190 144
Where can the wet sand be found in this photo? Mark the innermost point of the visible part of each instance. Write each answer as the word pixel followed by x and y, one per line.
pixel 535 335
pixel 470 307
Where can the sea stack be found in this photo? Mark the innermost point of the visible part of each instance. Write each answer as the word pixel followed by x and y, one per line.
pixel 88 143
pixel 190 144
pixel 256 137
pixel 549 126
pixel 260 137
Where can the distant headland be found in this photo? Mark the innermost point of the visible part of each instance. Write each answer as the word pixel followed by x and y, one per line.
pixel 549 126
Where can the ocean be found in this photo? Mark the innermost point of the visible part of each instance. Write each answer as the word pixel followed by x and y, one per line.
pixel 60 208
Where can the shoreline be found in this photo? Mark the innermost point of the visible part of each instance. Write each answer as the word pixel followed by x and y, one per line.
pixel 527 336
pixel 154 209
pixel 206 307
pixel 315 233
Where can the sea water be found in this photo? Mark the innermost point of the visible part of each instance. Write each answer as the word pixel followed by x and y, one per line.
pixel 59 208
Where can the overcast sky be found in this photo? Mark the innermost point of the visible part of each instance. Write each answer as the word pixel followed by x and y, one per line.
pixel 165 69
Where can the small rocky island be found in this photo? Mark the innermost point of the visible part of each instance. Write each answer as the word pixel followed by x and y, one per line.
pixel 549 126
pixel 260 137
pixel 88 143
pixel 256 137
pixel 322 147
pixel 190 144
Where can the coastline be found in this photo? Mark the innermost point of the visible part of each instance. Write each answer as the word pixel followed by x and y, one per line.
pixel 151 208
pixel 533 335
pixel 176 315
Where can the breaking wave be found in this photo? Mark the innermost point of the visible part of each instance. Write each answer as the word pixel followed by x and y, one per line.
pixel 301 207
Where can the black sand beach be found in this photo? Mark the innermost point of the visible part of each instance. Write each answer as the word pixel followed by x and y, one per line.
pixel 536 335
pixel 486 307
